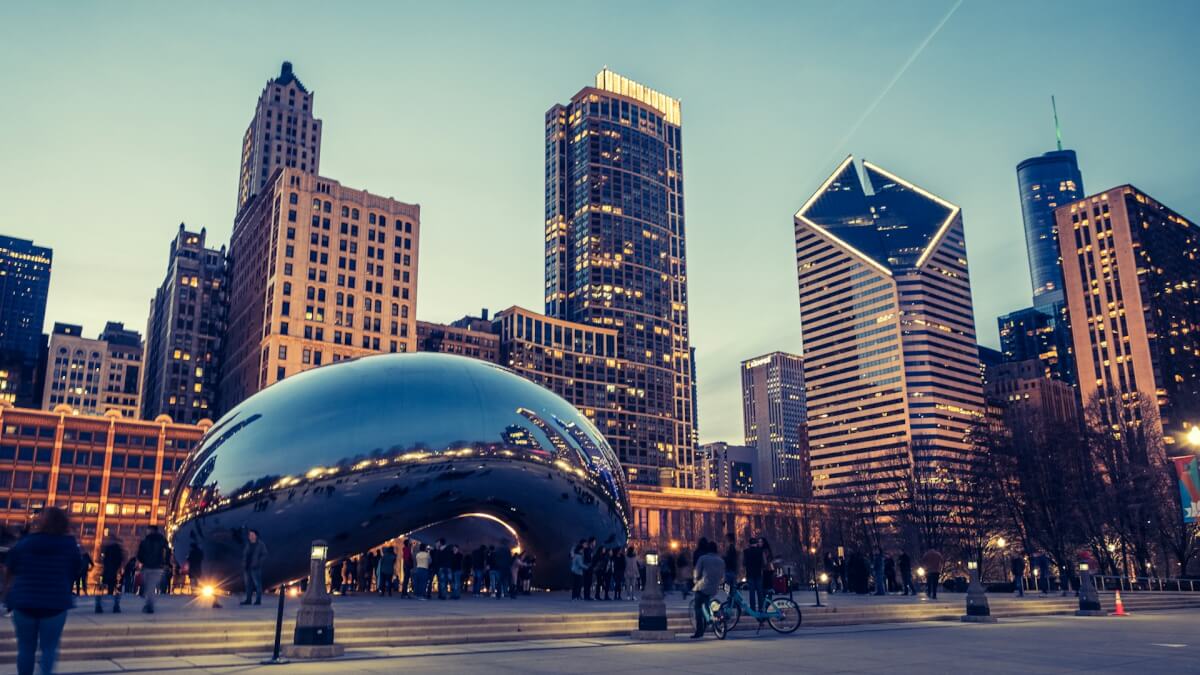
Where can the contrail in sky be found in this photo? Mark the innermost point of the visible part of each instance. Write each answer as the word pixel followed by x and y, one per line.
pixel 891 83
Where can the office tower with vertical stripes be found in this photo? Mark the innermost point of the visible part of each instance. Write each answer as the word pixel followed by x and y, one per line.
pixel 891 367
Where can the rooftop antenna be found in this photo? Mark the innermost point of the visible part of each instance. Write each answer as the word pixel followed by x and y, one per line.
pixel 1057 129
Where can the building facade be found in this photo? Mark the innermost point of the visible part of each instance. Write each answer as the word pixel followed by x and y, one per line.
pixel 1031 333
pixel 891 366
pixel 184 333
pixel 774 422
pixel 473 336
pixel 94 376
pixel 109 473
pixel 615 259
pixel 1132 272
pixel 1045 183
pixel 318 273
pixel 282 134
pixel 728 469
pixel 1021 389
pixel 24 286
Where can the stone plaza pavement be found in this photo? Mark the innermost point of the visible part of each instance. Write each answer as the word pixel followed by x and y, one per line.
pixel 1148 642
pixel 183 634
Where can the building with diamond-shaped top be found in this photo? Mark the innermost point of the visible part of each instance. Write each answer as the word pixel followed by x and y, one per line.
pixel 891 367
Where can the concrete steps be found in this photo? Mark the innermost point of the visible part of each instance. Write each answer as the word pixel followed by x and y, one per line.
pixel 220 635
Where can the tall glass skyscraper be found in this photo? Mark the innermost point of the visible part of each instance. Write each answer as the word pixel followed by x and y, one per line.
pixel 24 285
pixel 615 259
pixel 1045 183
pixel 891 367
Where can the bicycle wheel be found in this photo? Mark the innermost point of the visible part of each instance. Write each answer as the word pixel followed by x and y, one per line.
pixel 718 623
pixel 731 613
pixel 784 615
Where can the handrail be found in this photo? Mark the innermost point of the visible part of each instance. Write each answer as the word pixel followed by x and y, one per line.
pixel 1108 582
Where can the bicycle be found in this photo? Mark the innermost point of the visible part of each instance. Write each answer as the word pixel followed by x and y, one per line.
pixel 781 613
pixel 714 617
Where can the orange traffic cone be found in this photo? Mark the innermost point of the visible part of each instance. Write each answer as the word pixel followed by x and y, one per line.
pixel 1120 606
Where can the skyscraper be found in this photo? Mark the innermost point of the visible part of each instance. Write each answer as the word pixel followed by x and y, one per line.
pixel 318 273
pixel 773 418
pixel 24 285
pixel 1045 183
pixel 615 259
pixel 94 376
pixel 891 368
pixel 1032 333
pixel 184 333
pixel 1132 273
pixel 282 134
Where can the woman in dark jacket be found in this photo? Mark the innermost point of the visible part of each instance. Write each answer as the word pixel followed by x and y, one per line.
pixel 42 565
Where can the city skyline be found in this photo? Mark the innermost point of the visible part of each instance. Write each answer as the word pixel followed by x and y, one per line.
pixel 481 245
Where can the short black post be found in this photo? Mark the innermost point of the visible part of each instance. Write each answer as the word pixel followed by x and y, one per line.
pixel 275 658
pixel 817 592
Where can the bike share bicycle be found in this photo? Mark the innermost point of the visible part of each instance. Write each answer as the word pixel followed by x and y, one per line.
pixel 781 613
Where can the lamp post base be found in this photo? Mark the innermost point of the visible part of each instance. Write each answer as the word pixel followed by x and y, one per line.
pixel 313 651
pixel 1090 612
pixel 977 618
pixel 653 635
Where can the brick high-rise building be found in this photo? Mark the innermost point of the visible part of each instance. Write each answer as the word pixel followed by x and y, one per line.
pixel 1132 272
pixel 891 365
pixel 615 259
pixel 474 336
pixel 184 333
pixel 283 134
pixel 318 273
pixel 24 285
pixel 1022 389
pixel 773 419
pixel 94 376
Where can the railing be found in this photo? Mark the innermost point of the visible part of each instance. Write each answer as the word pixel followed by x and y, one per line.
pixel 1123 583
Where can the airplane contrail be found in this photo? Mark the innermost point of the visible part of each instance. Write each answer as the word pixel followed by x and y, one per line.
pixel 835 155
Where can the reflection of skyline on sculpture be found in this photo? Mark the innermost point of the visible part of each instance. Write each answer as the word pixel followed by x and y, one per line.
pixel 416 439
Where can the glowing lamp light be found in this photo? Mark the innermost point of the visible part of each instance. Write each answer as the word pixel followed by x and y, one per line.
pixel 972 565
pixel 1036 571
pixel 824 577
pixel 293 591
pixel 921 572
pixel 1002 542
pixel 207 591
pixel 319 551
pixel 1111 547
pixel 652 559
pixel 1083 567
pixel 674 545
pixel 1193 436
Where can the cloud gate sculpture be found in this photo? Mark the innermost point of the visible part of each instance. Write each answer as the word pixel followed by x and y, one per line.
pixel 362 451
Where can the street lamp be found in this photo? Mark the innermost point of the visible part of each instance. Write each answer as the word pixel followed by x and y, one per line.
pixel 1193 437
pixel 977 604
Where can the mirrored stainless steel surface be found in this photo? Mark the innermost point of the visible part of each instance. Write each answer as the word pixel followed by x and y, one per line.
pixel 362 451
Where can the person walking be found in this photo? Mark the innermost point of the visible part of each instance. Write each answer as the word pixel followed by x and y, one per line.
pixel 253 556
pixel 152 555
pixel 877 567
pixel 619 563
pixel 42 566
pixel 932 561
pixel 85 568
pixel 577 571
pixel 731 559
pixel 906 573
pixel 752 562
pixel 589 549
pixel 456 574
pixel 633 574
pixel 1018 572
pixel 422 559
pixel 112 554
pixel 387 567
pixel 504 563
pixel 707 575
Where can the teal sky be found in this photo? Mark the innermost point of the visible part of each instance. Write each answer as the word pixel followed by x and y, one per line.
pixel 120 120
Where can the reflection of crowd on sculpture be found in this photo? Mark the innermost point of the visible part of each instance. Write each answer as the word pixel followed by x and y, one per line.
pixel 412 569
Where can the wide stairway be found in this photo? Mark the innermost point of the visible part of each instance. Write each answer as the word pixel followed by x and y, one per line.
pixel 134 635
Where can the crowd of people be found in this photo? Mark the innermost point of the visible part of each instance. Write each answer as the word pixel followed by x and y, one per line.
pixel 413 569
pixel 883 573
